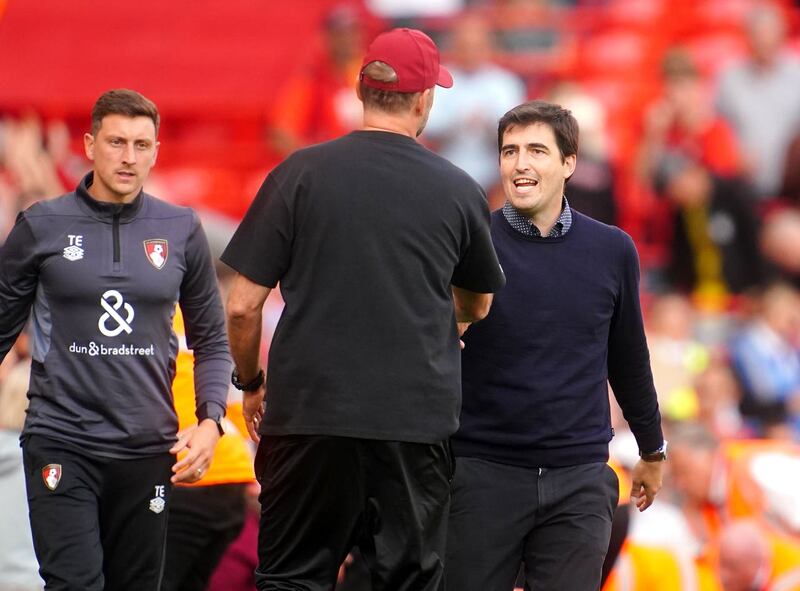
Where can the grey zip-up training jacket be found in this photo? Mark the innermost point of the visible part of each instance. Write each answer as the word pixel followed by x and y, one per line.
pixel 102 281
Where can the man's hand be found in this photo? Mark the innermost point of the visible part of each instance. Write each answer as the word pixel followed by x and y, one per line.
pixel 462 328
pixel 253 411
pixel 646 482
pixel 199 443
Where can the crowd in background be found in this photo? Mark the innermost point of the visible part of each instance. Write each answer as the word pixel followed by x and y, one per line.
pixel 690 141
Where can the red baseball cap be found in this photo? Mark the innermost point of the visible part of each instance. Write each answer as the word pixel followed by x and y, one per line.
pixel 412 55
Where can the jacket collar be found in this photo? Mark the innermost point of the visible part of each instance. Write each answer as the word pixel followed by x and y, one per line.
pixel 104 211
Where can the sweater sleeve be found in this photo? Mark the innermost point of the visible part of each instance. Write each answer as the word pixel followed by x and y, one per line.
pixel 19 277
pixel 629 359
pixel 205 323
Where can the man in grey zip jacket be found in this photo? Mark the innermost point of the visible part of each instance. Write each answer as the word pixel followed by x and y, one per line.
pixel 100 271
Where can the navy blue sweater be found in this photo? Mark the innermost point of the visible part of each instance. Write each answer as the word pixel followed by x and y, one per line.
pixel 535 371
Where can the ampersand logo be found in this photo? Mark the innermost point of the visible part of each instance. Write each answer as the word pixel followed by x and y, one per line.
pixel 123 324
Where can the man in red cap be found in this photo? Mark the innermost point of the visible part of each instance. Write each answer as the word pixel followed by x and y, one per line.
pixel 379 247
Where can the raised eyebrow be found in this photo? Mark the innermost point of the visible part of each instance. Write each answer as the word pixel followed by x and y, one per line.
pixel 538 146
pixel 509 147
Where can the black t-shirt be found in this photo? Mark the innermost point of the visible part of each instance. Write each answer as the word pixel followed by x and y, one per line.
pixel 366 234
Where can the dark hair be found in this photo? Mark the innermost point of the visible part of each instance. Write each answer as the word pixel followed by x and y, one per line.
pixel 678 64
pixel 563 124
pixel 122 101
pixel 388 101
pixel 670 165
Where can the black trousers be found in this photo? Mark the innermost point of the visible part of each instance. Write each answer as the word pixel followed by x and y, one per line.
pixel 323 495
pixel 555 521
pixel 98 524
pixel 203 521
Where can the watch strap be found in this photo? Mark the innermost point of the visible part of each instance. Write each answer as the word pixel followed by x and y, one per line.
pixel 250 386
pixel 658 455
pixel 203 413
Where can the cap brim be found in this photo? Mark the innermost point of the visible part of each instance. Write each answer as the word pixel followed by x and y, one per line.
pixel 445 78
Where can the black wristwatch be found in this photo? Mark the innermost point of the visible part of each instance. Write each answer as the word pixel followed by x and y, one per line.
pixel 250 386
pixel 203 414
pixel 658 455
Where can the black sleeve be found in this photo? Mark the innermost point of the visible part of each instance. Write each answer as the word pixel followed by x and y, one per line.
pixel 204 320
pixel 479 270
pixel 629 358
pixel 261 247
pixel 19 277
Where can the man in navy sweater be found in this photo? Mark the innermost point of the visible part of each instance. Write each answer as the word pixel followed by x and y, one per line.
pixel 532 485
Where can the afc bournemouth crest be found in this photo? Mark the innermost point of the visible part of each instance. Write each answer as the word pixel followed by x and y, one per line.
pixel 51 474
pixel 156 251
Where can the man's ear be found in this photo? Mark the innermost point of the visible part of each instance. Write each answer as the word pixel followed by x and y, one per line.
pixel 88 145
pixel 569 165
pixel 421 102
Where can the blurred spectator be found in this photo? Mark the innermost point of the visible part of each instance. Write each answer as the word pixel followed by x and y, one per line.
pixel 761 99
pixel 28 170
pixel 319 102
pixel 693 472
pixel 791 173
pixel 780 244
pixel 18 566
pixel 766 357
pixel 196 543
pixel 591 188
pixel 744 557
pixel 720 480
pixel 675 356
pixel 714 247
pixel 648 551
pixel 463 126
pixel 683 120
pixel 718 398
pixel 70 167
pixel 751 557
pixel 29 162
pixel 641 567
pixel 237 565
pixel 407 10
pixel 529 27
